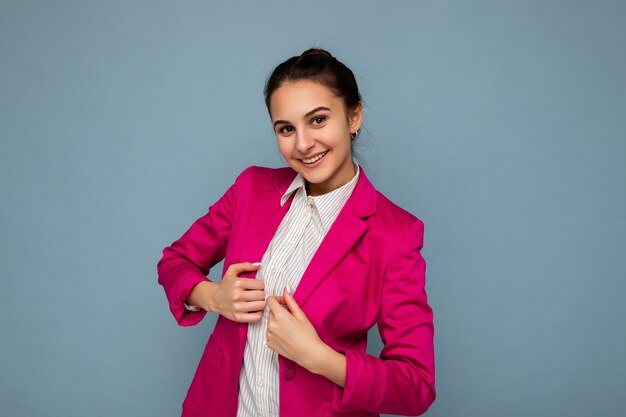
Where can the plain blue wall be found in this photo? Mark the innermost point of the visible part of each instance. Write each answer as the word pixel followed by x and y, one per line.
pixel 500 124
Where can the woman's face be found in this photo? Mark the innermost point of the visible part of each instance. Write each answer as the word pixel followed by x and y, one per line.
pixel 313 133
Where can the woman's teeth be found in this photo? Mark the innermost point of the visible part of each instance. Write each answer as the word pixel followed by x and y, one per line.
pixel 315 158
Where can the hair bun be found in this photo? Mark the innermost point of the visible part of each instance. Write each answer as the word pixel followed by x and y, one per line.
pixel 317 53
pixel 320 66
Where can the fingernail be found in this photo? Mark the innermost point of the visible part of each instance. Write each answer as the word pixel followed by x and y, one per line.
pixel 256 263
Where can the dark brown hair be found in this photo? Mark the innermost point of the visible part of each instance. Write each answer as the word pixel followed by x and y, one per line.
pixel 320 66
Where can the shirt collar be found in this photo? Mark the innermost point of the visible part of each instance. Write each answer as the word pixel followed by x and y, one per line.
pixel 328 205
pixel 298 182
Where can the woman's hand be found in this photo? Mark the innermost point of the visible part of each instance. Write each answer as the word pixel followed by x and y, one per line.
pixel 238 299
pixel 290 333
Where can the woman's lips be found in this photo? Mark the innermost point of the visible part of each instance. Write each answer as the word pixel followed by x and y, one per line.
pixel 313 160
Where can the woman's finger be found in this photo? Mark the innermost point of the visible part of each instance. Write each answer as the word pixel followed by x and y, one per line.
pixel 253 295
pixel 248 317
pixel 293 306
pixel 250 284
pixel 239 268
pixel 250 306
pixel 273 304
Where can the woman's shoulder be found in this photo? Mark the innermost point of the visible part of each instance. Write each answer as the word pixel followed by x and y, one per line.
pixel 392 217
pixel 269 171
pixel 255 175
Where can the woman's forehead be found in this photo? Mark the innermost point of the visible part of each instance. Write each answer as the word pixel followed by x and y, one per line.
pixel 297 98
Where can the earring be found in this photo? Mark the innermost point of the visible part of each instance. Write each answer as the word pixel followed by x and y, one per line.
pixel 353 135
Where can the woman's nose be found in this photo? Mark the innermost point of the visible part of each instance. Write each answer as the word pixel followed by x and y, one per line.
pixel 304 141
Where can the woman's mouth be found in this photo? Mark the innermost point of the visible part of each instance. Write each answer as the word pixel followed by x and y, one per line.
pixel 313 160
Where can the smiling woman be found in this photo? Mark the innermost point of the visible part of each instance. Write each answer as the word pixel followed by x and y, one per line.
pixel 336 258
pixel 313 130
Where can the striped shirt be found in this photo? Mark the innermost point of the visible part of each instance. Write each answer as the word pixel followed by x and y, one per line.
pixel 297 238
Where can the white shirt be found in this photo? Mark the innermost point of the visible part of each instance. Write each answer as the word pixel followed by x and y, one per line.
pixel 295 242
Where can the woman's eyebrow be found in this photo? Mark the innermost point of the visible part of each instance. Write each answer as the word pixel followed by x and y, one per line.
pixel 315 110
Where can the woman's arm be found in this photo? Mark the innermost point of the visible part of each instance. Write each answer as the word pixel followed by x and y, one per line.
pixel 402 380
pixel 187 261
pixel 328 363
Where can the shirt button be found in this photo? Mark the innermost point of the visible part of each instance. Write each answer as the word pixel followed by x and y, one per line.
pixel 289 372
pixel 273 271
pixel 307 213
pixel 310 201
pixel 290 242
pixel 261 383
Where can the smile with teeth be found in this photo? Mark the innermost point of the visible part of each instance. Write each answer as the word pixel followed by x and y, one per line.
pixel 315 158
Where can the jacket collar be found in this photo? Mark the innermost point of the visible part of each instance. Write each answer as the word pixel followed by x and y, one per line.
pixel 362 200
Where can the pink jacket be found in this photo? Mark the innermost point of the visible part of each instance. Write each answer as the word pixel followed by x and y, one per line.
pixel 367 271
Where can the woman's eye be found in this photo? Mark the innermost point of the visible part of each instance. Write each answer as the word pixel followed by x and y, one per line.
pixel 285 129
pixel 319 120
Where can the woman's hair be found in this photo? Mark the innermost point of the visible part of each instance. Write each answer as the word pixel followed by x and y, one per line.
pixel 320 66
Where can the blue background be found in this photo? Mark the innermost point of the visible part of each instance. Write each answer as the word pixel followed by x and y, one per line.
pixel 500 124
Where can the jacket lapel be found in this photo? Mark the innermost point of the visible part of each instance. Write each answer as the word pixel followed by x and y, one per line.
pixel 265 216
pixel 346 230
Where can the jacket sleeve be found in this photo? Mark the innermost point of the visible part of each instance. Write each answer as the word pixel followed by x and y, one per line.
pixel 402 380
pixel 188 260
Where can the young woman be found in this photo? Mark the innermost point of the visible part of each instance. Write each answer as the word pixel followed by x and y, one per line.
pixel 314 257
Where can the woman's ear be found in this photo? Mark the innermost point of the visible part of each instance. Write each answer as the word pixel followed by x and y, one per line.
pixel 356 118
